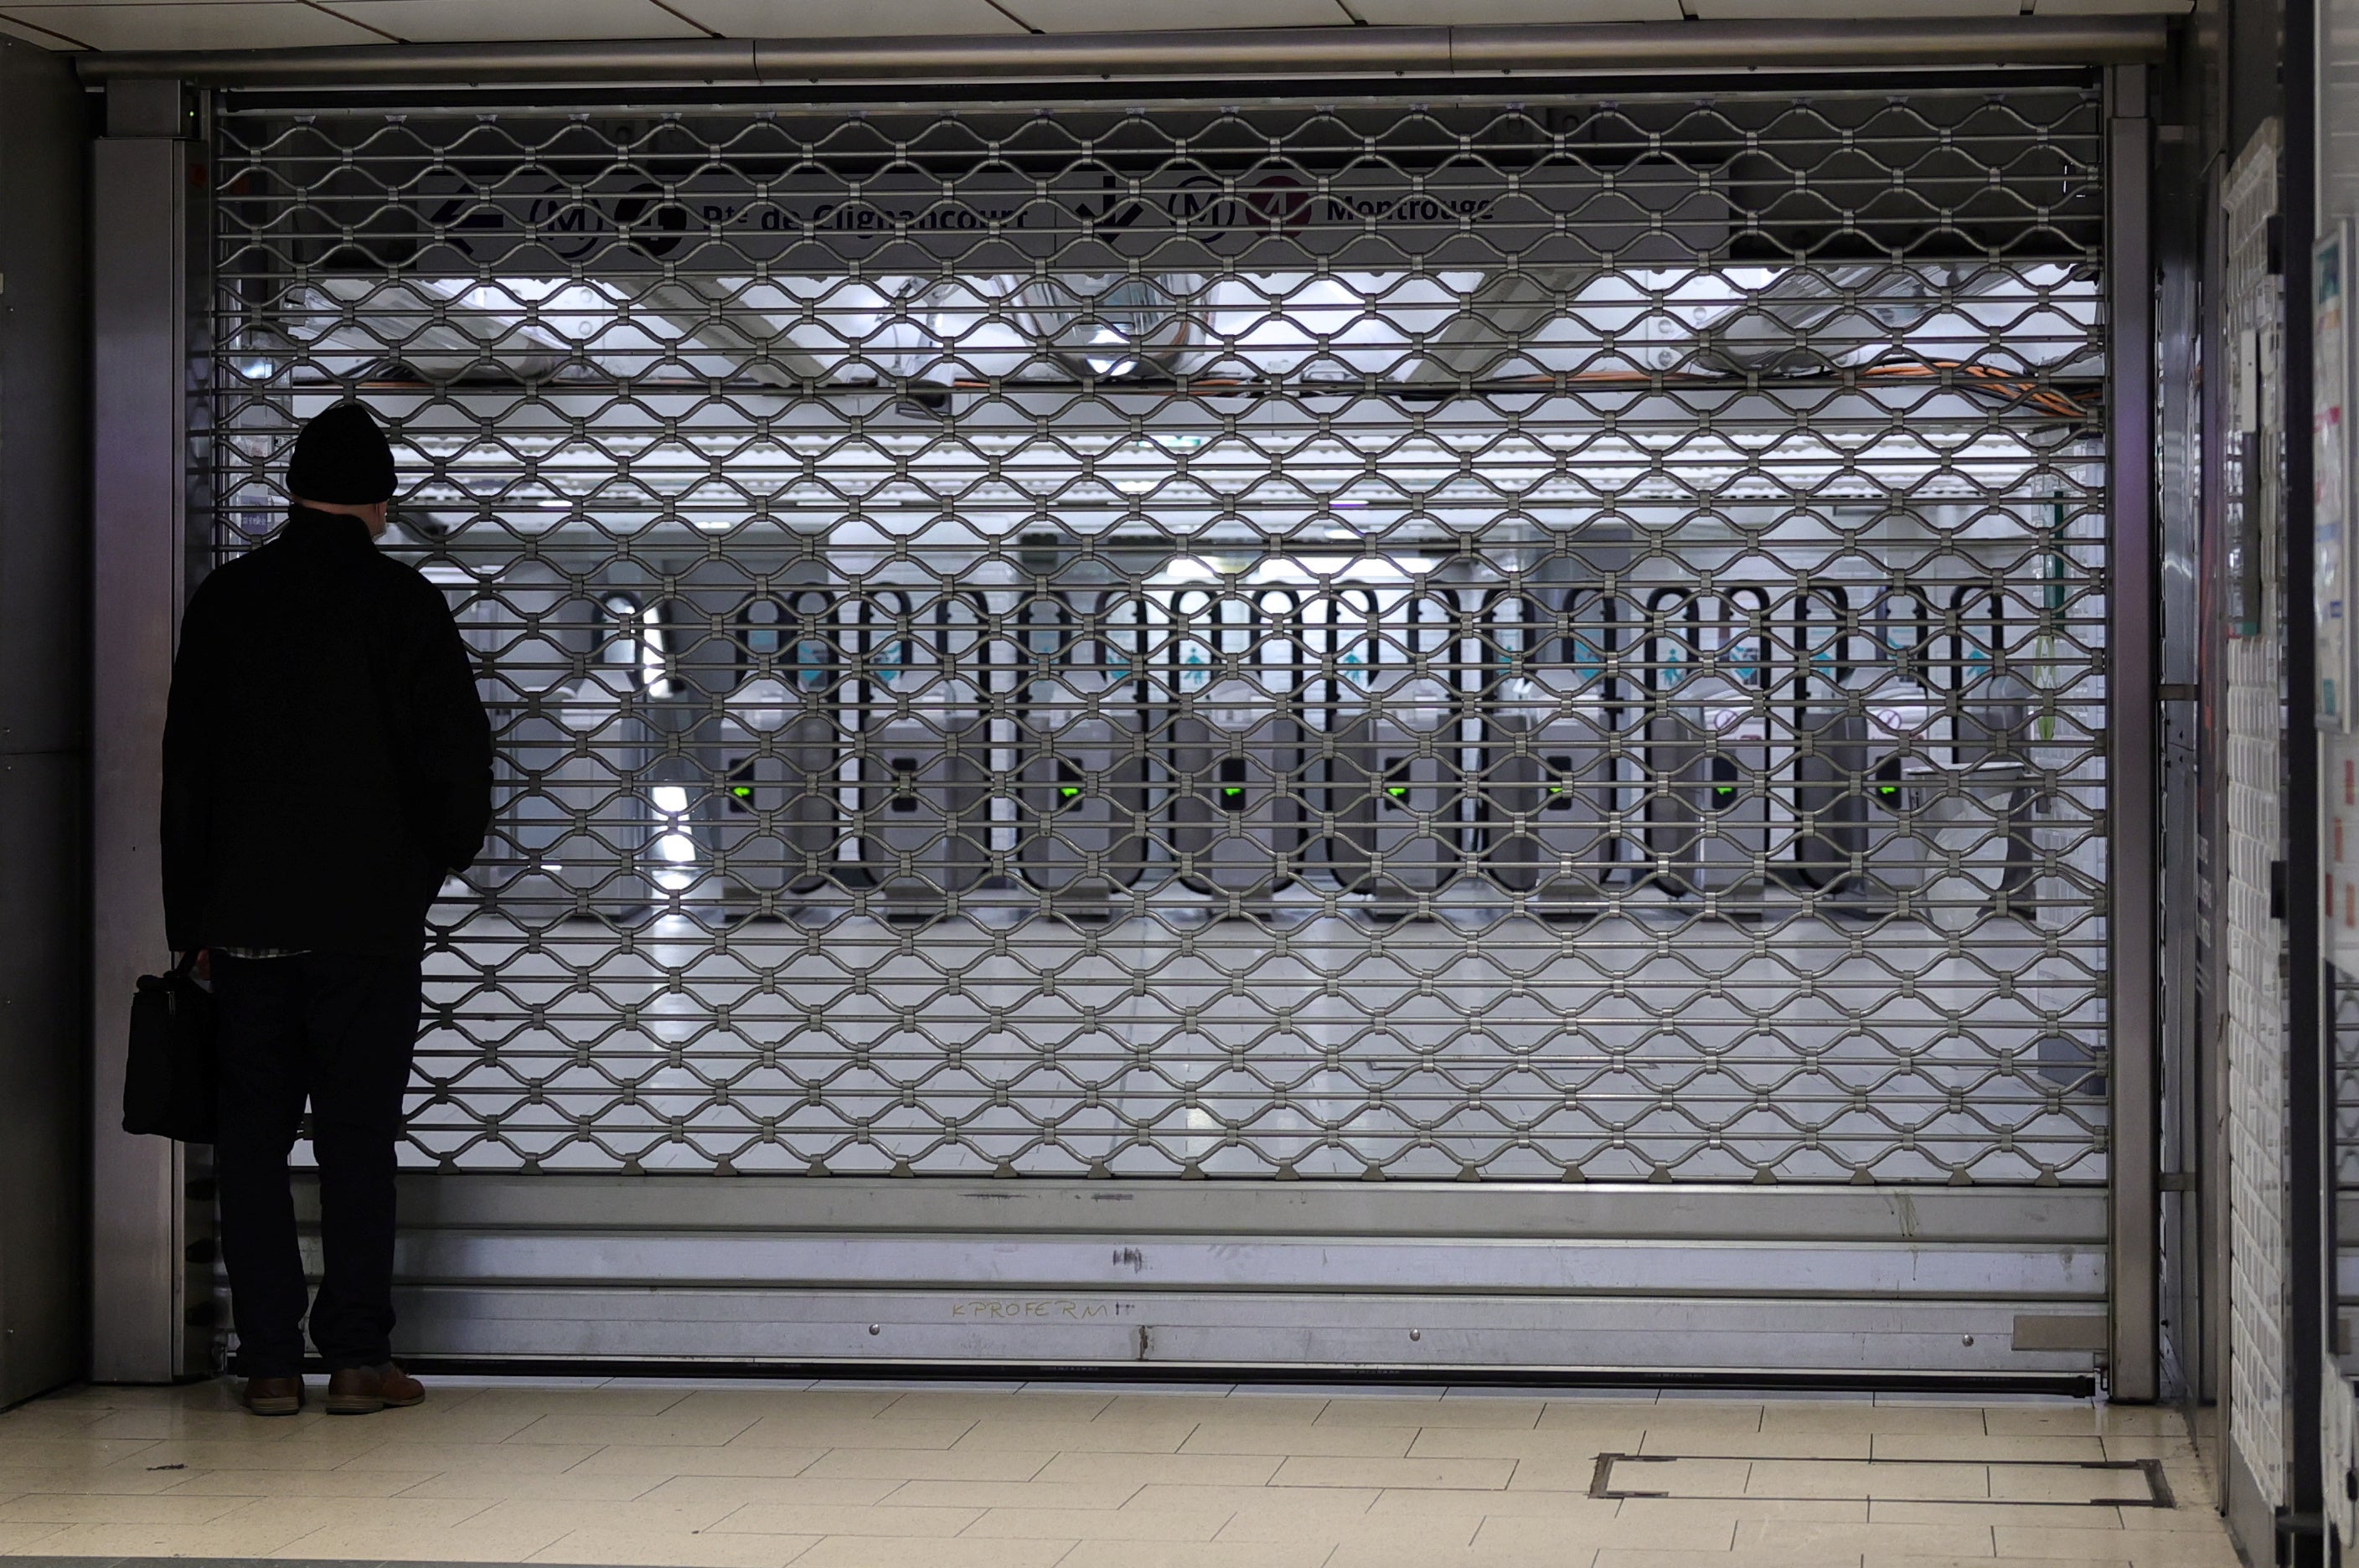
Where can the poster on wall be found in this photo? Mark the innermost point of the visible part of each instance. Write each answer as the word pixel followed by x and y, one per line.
pixel 2339 883
pixel 2331 471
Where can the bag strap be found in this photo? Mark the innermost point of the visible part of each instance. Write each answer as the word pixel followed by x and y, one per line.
pixel 188 965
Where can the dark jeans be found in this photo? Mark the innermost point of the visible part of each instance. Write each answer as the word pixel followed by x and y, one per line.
pixel 337 1029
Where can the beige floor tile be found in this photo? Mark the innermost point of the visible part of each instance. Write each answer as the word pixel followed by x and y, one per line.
pixel 1197 1555
pixel 468 1423
pixel 364 1513
pixel 667 1460
pixel 1056 1436
pixel 1498 1442
pixel 1312 1470
pixel 660 1515
pixel 297 1483
pixel 116 1397
pixel 1649 1557
pixel 824 1519
pixel 2149 1549
pixel 927 1465
pixel 2181 1449
pixel 1758 1445
pixel 871 1551
pixel 118 1480
pixel 1040 1494
pixel 1835 1541
pixel 661 1548
pixel 2085 1420
pixel 380 1544
pixel 1522 1413
pixel 1823 1510
pixel 1185 1469
pixel 743 1489
pixel 2031 1514
pixel 2192 1514
pixel 49 1508
pixel 830 1403
pixel 1097 1524
pixel 567 1487
pixel 2004 1445
pixel 1303 1437
pixel 1391 1555
pixel 1678 1415
pixel 853 1431
pixel 1415 1502
pixel 162 1422
pixel 249 1539
pixel 335 1447
pixel 1932 1482
pixel 1658 1533
pixel 1865 1418
pixel 1283 1410
pixel 44 1419
pixel 27 1537
pixel 942 1404
pixel 1572 1474
pixel 1435 1532
pixel 1321 1502
pixel 698 1430
pixel 70 1455
pixel 482 1458
pixel 1686 1475
pixel 1388 1555
pixel 1877 1560
pixel 2061 1483
pixel 629 1401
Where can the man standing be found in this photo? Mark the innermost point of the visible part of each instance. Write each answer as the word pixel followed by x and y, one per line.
pixel 326 764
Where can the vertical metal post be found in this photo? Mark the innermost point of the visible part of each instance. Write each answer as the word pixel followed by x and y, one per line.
pixel 2133 764
pixel 139 187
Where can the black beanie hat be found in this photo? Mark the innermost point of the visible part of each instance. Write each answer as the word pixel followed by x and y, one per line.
pixel 342 458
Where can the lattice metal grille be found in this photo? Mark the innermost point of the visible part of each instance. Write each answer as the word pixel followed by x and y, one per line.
pixel 1497 642
pixel 2254 774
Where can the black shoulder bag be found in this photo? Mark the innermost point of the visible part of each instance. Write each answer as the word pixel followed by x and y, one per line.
pixel 169 1076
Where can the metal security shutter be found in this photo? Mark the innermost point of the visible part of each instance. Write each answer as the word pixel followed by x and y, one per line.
pixel 1355 731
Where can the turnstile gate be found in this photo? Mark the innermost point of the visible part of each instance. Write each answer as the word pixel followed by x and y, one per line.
pixel 1351 733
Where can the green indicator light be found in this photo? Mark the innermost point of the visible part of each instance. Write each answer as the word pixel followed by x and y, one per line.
pixel 743 791
pixel 1070 793
pixel 1398 792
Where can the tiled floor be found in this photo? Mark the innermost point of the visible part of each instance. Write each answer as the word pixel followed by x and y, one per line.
pixel 860 1474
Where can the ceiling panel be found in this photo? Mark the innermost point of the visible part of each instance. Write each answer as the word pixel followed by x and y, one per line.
pixel 36 36
pixel 844 18
pixel 2112 7
pixel 1847 10
pixel 1131 15
pixel 196 24
pixel 489 21
pixel 1512 13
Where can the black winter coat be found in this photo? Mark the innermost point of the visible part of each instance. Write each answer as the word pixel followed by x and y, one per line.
pixel 326 759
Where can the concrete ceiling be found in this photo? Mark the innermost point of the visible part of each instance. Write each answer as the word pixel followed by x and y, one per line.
pixel 267 23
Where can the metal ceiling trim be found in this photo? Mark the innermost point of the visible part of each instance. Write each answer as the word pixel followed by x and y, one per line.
pixel 1278 52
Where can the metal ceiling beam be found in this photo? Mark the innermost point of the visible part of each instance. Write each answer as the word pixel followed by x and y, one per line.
pixel 1275 52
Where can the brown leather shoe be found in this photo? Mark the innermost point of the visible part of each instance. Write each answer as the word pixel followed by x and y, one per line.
pixel 274 1396
pixel 364 1391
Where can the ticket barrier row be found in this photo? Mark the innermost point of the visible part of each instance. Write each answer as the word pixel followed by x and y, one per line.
pixel 619 799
